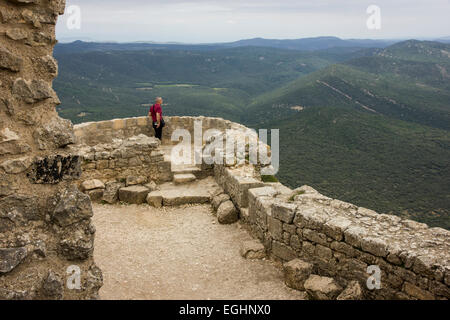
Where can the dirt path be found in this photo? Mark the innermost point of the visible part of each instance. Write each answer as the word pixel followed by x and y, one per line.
pixel 178 253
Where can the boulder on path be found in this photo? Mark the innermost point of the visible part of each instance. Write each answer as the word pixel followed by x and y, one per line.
pixel 252 249
pixel 218 200
pixel 227 213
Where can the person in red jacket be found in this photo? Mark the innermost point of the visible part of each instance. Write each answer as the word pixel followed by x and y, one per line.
pixel 157 117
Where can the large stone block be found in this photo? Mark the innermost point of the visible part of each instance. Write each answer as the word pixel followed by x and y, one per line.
pixel 133 195
pixel 275 228
pixel 155 199
pixel 282 251
pixel 310 217
pixel 296 272
pixel 336 226
pixel 284 211
pixel 375 246
pixel 111 193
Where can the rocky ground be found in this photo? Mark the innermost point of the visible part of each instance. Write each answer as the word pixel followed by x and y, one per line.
pixel 179 253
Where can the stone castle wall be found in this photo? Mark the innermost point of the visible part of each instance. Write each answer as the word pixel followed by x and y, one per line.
pixel 45 222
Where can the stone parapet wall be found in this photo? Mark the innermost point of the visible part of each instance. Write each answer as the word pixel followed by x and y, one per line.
pixel 342 240
pixel 94 133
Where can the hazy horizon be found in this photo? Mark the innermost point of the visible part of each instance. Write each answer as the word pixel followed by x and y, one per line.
pixel 211 21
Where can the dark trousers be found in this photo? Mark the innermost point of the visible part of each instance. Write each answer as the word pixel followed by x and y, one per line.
pixel 158 132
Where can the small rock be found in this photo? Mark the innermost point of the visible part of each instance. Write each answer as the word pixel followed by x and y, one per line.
pixel 6 294
pixel 77 244
pixel 133 181
pixel 353 291
pixel 296 272
pixel 94 281
pixel 322 288
pixel 227 213
pixel 133 195
pixel 40 248
pixel 53 286
pixel 50 65
pixel 92 185
pixel 11 258
pixel 218 200
pixel 16 34
pixel 252 249
pixel 16 166
pixel 10 61
pixel 152 186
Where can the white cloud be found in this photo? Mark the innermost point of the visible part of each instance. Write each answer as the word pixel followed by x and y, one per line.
pixel 228 20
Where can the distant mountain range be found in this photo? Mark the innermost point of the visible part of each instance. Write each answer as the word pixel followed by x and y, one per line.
pixel 304 44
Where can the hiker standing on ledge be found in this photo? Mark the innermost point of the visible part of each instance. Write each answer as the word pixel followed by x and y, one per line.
pixel 157 117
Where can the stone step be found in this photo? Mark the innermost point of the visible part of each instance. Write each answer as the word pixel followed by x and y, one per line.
pixel 186 170
pixel 199 192
pixel 184 178
pixel 133 195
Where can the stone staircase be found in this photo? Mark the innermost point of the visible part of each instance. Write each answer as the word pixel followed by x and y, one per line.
pixel 183 173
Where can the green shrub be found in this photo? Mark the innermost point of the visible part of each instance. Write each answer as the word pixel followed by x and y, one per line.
pixel 292 198
pixel 269 179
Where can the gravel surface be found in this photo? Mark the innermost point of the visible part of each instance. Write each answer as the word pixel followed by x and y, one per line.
pixel 179 253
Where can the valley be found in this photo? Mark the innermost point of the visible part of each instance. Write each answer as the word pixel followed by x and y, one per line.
pixel 368 124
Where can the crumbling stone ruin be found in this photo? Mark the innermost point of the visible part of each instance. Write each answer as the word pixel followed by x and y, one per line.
pixel 50 172
pixel 46 235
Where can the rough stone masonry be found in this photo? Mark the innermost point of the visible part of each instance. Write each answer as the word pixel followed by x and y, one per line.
pixel 45 222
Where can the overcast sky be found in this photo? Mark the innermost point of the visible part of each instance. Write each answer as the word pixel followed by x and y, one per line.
pixel 204 21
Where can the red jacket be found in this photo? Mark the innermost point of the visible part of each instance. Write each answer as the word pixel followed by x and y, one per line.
pixel 156 108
